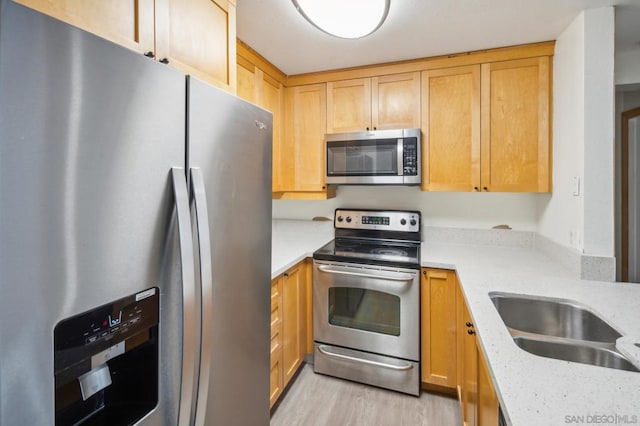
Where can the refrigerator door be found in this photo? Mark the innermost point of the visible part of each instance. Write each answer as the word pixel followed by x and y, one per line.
pixel 89 134
pixel 229 145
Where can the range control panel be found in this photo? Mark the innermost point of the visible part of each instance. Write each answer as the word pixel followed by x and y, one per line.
pixel 388 220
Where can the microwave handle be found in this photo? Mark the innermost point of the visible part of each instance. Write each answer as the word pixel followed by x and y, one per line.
pixel 400 157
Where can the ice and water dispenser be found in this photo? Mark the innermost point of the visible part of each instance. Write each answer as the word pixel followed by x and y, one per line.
pixel 106 362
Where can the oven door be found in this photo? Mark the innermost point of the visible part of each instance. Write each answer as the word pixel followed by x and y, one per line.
pixel 368 308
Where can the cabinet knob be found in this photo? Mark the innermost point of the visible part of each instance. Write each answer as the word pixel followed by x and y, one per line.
pixel 475 188
pixel 367 128
pixel 424 273
pixel 286 274
pixel 469 324
pixel 149 54
pixel 484 188
pixel 471 332
pixel 164 60
pixel 324 187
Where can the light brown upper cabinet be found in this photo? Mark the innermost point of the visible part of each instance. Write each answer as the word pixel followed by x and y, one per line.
pixel 451 129
pixel 258 87
pixel 197 37
pixel 486 127
pixel 302 164
pixel 515 126
pixel 376 103
pixel 270 95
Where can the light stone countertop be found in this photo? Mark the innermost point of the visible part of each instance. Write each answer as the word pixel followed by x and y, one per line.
pixel 293 240
pixel 532 390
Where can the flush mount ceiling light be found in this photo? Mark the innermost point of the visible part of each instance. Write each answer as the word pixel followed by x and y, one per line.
pixel 344 18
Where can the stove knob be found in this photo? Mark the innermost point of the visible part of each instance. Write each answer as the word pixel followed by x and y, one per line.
pixel 348 219
pixel 403 221
pixel 340 219
pixel 413 222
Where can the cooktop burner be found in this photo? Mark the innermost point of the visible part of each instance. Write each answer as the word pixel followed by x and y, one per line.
pixel 375 252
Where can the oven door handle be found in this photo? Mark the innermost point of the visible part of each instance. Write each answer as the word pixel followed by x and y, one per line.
pixel 399 277
pixel 323 350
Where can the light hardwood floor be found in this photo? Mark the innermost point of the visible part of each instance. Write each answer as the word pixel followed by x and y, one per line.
pixel 314 399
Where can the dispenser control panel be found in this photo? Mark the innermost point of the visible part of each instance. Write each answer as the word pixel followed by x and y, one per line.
pixel 92 332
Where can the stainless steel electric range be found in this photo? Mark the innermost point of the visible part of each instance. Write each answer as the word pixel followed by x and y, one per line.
pixel 366 299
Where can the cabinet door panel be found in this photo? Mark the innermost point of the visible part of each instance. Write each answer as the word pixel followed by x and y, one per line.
pixel 438 294
pixel 488 405
pixel 451 129
pixel 199 37
pixel 125 22
pixel 303 165
pixel 270 97
pixel 515 125
pixel 349 105
pixel 294 324
pixel 246 81
pixel 395 101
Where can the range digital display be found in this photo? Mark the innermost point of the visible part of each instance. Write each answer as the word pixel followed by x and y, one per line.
pixel 375 220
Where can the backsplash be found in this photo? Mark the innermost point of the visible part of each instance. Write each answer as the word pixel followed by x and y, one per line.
pixel 440 209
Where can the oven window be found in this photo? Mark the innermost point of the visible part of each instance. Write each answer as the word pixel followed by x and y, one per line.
pixel 367 310
pixel 363 158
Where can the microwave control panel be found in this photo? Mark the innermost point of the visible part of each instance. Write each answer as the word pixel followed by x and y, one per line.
pixel 410 156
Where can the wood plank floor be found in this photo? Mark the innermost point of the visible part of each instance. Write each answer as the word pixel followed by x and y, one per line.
pixel 314 399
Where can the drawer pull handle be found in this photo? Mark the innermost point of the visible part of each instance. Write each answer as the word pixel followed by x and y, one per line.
pixel 323 350
pixel 399 277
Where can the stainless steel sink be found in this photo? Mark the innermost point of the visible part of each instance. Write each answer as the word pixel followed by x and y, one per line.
pixel 582 353
pixel 560 329
pixel 552 317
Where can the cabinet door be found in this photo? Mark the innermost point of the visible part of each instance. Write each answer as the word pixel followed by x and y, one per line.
pixel 349 105
pixel 199 38
pixel 515 126
pixel 294 322
pixel 438 327
pixel 270 97
pixel 470 372
pixel 451 129
pixel 246 86
pixel 303 156
pixel 125 22
pixel 277 376
pixel 488 405
pixel 395 101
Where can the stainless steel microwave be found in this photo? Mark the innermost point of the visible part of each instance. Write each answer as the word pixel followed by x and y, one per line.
pixel 382 157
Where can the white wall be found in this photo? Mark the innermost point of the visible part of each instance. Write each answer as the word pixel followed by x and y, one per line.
pixel 599 132
pixel 458 210
pixel 583 136
pixel 561 217
pixel 628 67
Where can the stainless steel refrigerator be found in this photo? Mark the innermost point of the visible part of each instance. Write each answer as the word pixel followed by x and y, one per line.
pixel 135 237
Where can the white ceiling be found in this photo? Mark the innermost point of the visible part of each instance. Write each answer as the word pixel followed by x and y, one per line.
pixel 418 29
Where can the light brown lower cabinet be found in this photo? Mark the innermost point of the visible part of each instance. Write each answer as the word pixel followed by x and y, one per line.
pixel 451 356
pixel 289 325
pixel 478 400
pixel 438 328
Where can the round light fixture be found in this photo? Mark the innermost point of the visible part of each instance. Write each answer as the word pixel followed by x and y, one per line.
pixel 344 18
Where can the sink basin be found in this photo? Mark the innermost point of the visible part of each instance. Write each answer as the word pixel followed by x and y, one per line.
pixel 552 317
pixel 568 351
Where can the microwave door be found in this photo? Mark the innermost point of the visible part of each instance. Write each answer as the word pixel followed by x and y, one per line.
pixel 364 162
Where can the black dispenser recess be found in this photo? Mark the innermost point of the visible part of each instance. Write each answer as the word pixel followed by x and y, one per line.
pixel 106 362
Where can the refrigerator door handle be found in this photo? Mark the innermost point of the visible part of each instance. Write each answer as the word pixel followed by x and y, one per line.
pixel 189 338
pixel 206 280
